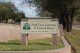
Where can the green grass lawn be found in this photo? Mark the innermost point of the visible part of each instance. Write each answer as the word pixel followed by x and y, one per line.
pixel 74 38
pixel 39 44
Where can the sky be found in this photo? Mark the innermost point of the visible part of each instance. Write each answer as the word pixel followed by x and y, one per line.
pixel 29 11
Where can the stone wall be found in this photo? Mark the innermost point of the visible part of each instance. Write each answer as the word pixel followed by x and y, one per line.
pixel 13 32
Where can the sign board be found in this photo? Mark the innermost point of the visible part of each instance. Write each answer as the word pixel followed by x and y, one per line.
pixel 38 25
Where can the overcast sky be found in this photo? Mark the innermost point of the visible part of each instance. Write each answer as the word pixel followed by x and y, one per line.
pixel 29 11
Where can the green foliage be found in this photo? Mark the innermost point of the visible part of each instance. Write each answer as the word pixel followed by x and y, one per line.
pixel 57 7
pixel 9 11
pixel 54 6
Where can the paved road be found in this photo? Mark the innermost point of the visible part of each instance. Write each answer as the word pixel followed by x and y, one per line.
pixel 77 27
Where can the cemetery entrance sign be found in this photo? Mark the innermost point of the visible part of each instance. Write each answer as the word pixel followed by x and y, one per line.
pixel 39 25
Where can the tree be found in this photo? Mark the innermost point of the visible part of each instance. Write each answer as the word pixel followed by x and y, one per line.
pixel 18 16
pixel 9 11
pixel 77 16
pixel 62 9
pixel 6 10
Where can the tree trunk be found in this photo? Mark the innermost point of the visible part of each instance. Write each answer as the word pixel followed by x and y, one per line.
pixel 69 21
pixel 66 20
